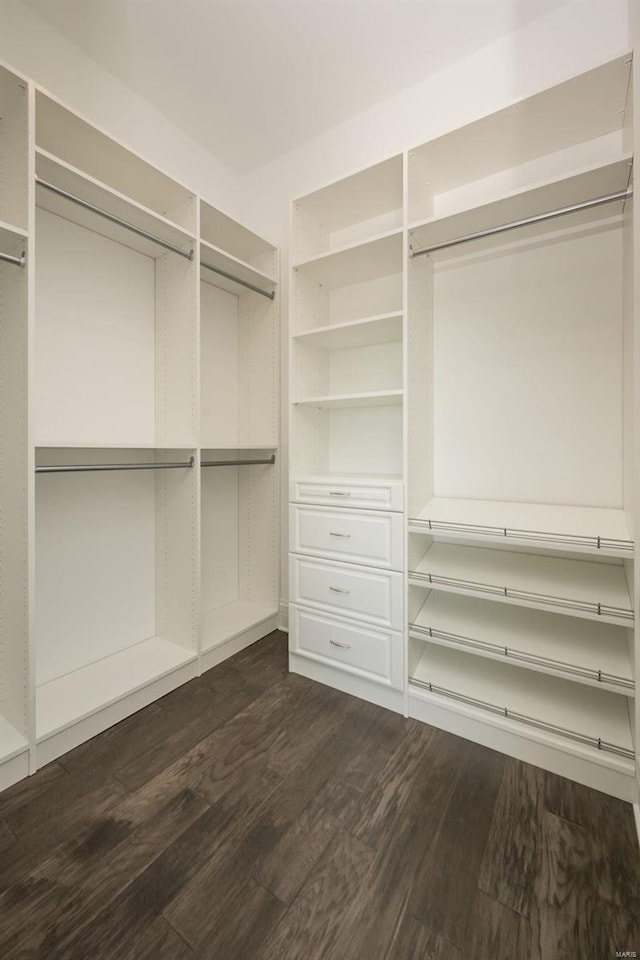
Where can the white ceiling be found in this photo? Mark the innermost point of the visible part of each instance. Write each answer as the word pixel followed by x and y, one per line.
pixel 252 79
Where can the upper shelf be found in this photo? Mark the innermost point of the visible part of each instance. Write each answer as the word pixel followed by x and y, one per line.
pixel 240 244
pixel 356 263
pixel 85 188
pixel 76 142
pixel 378 398
pixel 367 332
pixel 594 530
pixel 351 210
pixel 584 186
pixel 558 121
pixel 223 263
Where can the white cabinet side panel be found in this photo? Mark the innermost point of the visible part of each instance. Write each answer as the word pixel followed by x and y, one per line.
pixel 219 367
pixel 95 567
pixel 95 338
pixel 220 577
pixel 528 374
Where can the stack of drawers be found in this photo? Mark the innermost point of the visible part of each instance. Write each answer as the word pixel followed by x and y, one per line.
pixel 346 584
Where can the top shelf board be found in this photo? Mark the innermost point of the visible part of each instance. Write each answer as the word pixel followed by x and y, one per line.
pixel 60 174
pixel 63 134
pixel 594 530
pixel 226 235
pixel 385 328
pixel 220 260
pixel 359 197
pixel 581 109
pixel 556 194
pixel 358 263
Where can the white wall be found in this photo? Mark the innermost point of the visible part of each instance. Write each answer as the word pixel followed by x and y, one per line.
pixel 35 49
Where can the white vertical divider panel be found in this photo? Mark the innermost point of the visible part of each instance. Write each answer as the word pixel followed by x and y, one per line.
pixel 31 453
pixel 177 311
pixel 15 701
pixel 405 421
pixel 176 549
pixel 633 116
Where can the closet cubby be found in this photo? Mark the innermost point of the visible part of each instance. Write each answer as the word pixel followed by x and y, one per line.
pixel 343 214
pixel 116 324
pixel 562 131
pixel 235 249
pixel 239 547
pixel 80 147
pixel 115 583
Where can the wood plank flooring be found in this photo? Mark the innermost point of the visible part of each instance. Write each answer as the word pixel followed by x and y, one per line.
pixel 255 815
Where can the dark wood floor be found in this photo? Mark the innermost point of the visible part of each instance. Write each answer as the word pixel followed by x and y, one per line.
pixel 253 815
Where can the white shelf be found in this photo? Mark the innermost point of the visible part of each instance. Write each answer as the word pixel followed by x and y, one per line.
pixel 55 171
pixel 232 619
pixel 385 328
pixel 356 263
pixel 221 260
pixel 80 445
pixel 10 230
pixel 378 398
pixel 572 587
pixel 518 205
pixel 545 642
pixel 12 743
pixel 220 232
pixel 593 530
pixel 76 696
pixel 548 701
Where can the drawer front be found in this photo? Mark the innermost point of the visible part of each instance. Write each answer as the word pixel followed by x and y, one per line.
pixel 371 595
pixel 386 496
pixel 373 539
pixel 356 648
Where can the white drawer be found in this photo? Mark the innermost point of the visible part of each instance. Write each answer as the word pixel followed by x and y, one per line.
pixel 367 651
pixel 342 588
pixel 359 536
pixel 345 493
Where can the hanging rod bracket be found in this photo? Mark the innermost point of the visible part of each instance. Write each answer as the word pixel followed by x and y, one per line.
pixel 20 261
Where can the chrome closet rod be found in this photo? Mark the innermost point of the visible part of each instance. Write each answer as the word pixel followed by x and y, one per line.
pixel 538 218
pixel 111 218
pixel 95 467
pixel 16 261
pixel 236 463
pixel 270 295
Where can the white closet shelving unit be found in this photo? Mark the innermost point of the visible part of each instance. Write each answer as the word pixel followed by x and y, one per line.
pixel 132 562
pixel 346 427
pixel 520 443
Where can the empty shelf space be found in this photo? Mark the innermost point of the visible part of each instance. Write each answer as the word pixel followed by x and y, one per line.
pixel 575 587
pixel 367 332
pixel 358 262
pixel 378 398
pixel 581 650
pixel 12 743
pixel 595 530
pixel 604 180
pixel 552 705
pixel 73 697
pixel 230 620
pixel 218 259
pixel 221 233
pixel 74 182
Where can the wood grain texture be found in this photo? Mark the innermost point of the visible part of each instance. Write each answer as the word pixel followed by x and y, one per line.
pixel 255 815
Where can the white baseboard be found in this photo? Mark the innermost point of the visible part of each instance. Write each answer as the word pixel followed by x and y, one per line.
pixel 283 618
